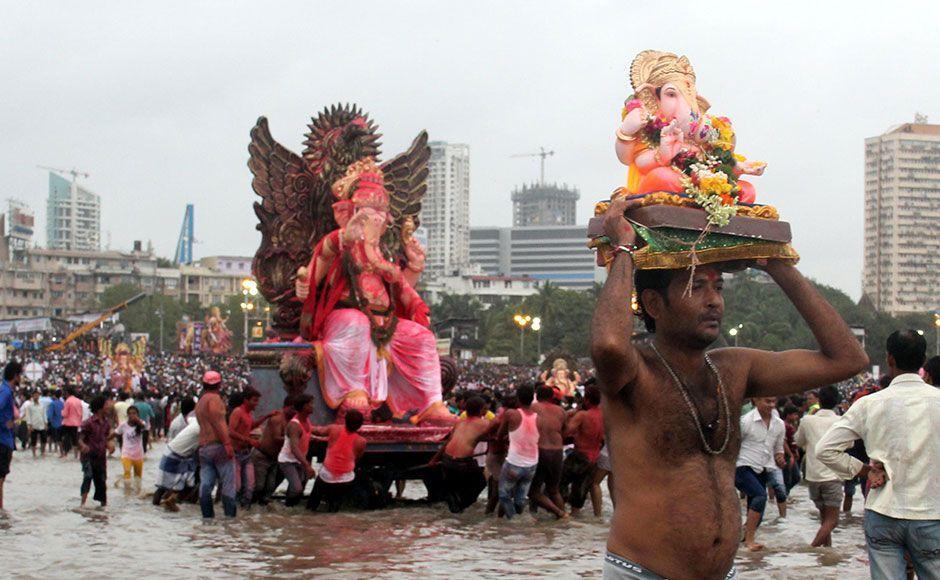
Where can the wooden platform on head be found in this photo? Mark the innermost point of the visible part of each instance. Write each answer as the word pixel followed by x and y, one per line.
pixel 687 218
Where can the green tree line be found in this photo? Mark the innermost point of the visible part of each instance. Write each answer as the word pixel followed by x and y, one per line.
pixel 763 315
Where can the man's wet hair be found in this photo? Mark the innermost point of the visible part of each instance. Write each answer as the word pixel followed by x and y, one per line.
pixel 123 396
pixel 96 404
pixel 301 401
pixel 789 410
pixel 353 420
pixel 829 397
pixel 545 393
pixel 656 280
pixel 288 401
pixel 909 349
pixel 475 405
pixel 250 393
pixel 12 370
pixel 510 400
pixel 187 404
pixel 592 394
pixel 525 393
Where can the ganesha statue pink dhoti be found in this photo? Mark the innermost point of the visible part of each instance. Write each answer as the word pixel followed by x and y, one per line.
pixel 368 324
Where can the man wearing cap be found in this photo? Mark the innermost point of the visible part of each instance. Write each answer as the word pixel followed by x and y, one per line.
pixel 216 454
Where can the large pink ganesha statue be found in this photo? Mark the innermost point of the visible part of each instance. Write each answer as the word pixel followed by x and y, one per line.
pixel 369 326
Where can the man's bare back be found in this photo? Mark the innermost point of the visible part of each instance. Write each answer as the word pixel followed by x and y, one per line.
pixel 272 435
pixel 551 424
pixel 210 412
pixel 467 433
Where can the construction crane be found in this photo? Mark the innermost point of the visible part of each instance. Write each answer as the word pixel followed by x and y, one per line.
pixel 73 172
pixel 81 330
pixel 542 154
pixel 184 245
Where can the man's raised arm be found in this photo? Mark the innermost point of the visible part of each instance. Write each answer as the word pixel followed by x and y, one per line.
pixel 839 357
pixel 614 356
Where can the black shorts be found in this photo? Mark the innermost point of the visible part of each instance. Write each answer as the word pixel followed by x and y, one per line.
pixel 548 473
pixel 69 438
pixel 37 435
pixel 6 454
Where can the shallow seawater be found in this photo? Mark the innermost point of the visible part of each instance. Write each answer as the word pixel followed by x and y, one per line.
pixel 44 534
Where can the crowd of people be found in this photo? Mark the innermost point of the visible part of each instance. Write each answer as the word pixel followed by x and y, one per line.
pixel 73 411
pixel 163 373
pixel 528 445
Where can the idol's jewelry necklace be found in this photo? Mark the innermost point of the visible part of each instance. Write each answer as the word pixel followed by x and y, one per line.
pixel 694 412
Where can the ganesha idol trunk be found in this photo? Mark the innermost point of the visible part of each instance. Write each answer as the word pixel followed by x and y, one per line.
pixel 394 451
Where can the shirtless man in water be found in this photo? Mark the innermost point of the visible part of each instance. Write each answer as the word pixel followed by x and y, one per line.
pixel 264 456
pixel 463 476
pixel 546 485
pixel 216 454
pixel 671 411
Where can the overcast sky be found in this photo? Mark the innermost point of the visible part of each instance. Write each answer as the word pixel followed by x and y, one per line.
pixel 155 100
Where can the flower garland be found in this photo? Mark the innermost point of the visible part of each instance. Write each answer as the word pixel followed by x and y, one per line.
pixel 708 174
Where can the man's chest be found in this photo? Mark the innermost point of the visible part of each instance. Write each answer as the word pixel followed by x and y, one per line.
pixel 672 427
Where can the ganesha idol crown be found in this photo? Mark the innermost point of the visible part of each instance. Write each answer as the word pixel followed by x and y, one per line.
pixel 363 184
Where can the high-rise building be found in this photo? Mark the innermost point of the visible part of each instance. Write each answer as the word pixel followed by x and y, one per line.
pixel 544 205
pixel 445 212
pixel 556 254
pixel 73 216
pixel 16 228
pixel 902 219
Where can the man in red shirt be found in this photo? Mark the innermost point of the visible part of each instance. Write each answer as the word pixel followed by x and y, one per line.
pixel 343 450
pixel 71 420
pixel 240 426
pixel 587 428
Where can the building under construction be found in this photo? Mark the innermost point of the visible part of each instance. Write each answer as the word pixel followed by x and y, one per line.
pixel 544 205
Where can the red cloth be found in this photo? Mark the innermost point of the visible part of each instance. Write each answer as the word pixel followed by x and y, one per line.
pixel 341 451
pixel 322 301
pixel 316 308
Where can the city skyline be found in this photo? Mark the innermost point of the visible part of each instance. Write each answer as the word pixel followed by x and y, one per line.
pixel 159 114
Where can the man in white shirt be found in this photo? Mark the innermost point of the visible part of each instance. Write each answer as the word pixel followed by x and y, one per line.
pixel 35 418
pixel 177 473
pixel 900 426
pixel 186 415
pixel 762 434
pixel 825 487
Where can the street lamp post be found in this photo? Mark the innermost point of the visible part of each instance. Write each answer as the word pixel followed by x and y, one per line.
pixel 522 320
pixel 936 325
pixel 734 333
pixel 160 314
pixel 537 327
pixel 249 291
